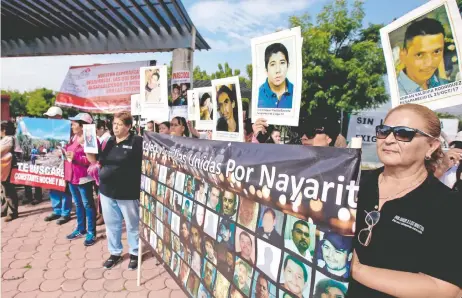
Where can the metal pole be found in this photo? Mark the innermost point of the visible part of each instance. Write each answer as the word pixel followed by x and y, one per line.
pixel 140 255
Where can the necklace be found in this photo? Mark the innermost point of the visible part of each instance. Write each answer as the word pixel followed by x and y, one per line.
pixel 400 192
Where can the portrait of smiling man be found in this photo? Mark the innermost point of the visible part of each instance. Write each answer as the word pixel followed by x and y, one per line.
pixel 335 254
pixel 422 56
pixel 277 91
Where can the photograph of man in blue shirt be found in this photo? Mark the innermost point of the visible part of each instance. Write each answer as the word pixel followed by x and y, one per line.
pixel 277 91
pixel 422 55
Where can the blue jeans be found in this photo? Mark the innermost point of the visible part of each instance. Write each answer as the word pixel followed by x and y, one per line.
pixel 84 207
pixel 114 211
pixel 61 202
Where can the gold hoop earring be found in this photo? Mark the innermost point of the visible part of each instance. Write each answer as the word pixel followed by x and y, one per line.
pixel 427 157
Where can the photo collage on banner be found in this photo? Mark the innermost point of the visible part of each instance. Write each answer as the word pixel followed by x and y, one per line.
pixel 154 93
pixel 277 77
pixel 220 243
pixel 227 110
pixel 423 55
pixel 204 112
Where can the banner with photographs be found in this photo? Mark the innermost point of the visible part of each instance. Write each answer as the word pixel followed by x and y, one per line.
pixel 154 93
pixel 228 124
pixel 277 77
pixel 41 162
pixel 233 219
pixel 204 118
pixel 423 55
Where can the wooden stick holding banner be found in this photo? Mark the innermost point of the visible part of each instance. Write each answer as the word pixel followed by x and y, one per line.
pixel 140 253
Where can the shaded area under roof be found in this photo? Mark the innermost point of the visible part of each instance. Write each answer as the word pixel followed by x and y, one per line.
pixel 74 27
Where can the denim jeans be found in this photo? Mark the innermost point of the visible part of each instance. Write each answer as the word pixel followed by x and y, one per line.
pixel 114 211
pixel 61 202
pixel 84 206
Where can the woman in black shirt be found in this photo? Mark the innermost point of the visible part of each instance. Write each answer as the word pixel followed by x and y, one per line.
pixel 408 223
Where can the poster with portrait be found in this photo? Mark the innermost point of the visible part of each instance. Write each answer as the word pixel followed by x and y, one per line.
pixel 154 93
pixel 243 220
pixel 135 107
pixel 227 119
pixel 423 55
pixel 204 112
pixel 193 109
pixel 90 144
pixel 277 77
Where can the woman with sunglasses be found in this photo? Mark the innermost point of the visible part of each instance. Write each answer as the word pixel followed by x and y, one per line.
pixel 406 219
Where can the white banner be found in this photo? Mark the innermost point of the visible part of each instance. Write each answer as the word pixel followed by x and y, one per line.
pixel 104 88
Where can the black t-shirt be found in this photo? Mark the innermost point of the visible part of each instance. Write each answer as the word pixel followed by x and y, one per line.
pixel 120 175
pixel 418 233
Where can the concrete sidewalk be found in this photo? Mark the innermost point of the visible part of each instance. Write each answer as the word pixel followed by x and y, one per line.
pixel 38 261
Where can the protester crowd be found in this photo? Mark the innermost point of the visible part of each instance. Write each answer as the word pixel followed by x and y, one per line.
pixel 418 182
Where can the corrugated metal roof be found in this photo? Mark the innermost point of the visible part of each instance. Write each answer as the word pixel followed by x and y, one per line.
pixel 70 27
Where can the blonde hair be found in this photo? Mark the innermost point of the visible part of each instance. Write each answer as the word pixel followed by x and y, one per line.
pixel 432 127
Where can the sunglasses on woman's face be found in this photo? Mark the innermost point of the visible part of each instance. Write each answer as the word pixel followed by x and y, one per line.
pixel 401 133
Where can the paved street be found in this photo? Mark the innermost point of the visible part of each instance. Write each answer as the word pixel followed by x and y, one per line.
pixel 38 261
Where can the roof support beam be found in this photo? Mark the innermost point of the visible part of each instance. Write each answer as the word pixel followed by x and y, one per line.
pixel 103 11
pixel 158 16
pixel 99 23
pixel 134 17
pixel 44 14
pixel 120 16
pixel 171 17
pixel 146 16
pixel 60 8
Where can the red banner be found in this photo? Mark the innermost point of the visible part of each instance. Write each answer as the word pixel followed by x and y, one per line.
pixel 38 180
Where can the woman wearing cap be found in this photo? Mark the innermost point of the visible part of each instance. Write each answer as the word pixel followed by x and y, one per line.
pixel 407 221
pixel 80 184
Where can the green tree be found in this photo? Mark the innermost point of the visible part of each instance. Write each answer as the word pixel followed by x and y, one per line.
pixel 18 102
pixel 199 74
pixel 224 72
pixel 38 101
pixel 343 63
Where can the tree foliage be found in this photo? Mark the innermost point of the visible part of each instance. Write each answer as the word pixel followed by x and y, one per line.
pixel 343 63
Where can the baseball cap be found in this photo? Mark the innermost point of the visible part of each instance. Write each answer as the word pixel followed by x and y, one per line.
pixel 53 111
pixel 85 117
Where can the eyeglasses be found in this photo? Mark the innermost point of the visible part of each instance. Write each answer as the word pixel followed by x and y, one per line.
pixel 401 133
pixel 365 235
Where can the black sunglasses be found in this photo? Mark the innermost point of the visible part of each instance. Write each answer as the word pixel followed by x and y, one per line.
pixel 401 133
pixel 311 133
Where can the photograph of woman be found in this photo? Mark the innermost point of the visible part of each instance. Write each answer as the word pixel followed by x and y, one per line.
pixel 206 108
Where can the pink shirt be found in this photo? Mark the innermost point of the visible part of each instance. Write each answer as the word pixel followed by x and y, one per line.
pixel 76 172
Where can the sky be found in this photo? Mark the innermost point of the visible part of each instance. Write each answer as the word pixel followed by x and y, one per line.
pixel 226 25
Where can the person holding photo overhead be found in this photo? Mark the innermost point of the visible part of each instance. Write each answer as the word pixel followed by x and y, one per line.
pixel 422 54
pixel 228 110
pixel 277 91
